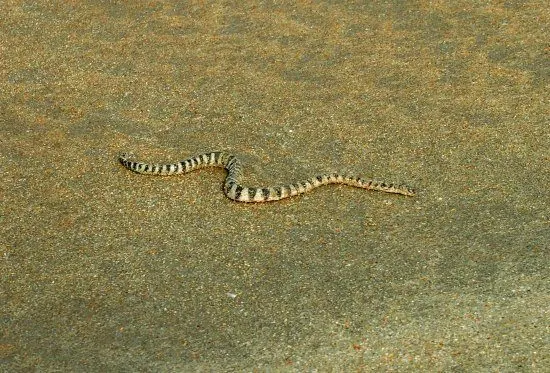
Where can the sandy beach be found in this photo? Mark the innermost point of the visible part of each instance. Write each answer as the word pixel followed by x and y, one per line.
pixel 105 270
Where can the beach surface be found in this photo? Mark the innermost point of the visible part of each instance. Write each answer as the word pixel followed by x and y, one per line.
pixel 105 270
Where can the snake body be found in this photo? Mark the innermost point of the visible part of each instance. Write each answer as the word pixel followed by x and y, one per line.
pixel 233 188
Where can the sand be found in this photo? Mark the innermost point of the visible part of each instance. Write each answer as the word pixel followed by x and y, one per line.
pixel 105 270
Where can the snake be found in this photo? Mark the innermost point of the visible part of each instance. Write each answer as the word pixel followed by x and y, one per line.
pixel 238 192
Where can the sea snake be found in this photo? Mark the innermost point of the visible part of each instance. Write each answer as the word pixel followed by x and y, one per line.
pixel 233 188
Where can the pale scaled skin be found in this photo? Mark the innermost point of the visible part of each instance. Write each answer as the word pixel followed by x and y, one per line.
pixel 233 188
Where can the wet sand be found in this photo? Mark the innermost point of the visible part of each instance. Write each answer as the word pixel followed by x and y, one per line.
pixel 106 270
